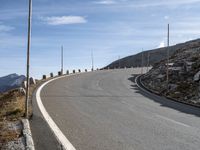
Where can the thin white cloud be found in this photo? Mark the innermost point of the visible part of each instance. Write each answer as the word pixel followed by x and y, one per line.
pixel 166 17
pixel 157 3
pixel 105 2
pixel 5 28
pixel 64 20
pixel 162 44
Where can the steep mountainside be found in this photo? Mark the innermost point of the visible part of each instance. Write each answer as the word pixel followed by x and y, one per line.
pixel 149 57
pixel 184 75
pixel 10 82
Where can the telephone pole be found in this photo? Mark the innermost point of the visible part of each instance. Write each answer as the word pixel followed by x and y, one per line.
pixel 119 62
pixel 142 63
pixel 62 60
pixel 167 56
pixel 148 61
pixel 92 57
pixel 28 58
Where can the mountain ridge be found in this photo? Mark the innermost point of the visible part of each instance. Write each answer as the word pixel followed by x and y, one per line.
pixel 150 57
pixel 10 82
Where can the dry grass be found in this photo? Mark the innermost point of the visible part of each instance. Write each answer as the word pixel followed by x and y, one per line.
pixel 12 108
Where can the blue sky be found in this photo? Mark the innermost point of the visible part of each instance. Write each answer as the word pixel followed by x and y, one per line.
pixel 111 28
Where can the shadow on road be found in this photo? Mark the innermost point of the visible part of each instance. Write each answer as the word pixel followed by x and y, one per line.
pixel 164 102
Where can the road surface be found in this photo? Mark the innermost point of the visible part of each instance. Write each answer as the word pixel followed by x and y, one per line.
pixel 105 110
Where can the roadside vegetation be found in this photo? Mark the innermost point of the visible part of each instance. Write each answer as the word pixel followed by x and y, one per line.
pixel 12 108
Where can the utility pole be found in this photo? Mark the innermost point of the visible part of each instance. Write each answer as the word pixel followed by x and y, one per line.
pixel 148 61
pixel 92 57
pixel 28 58
pixel 119 62
pixel 62 60
pixel 167 56
pixel 142 63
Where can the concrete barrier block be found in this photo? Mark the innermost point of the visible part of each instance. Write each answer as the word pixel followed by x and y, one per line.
pixel 51 75
pixel 59 73
pixel 44 77
pixel 32 81
pixel 24 84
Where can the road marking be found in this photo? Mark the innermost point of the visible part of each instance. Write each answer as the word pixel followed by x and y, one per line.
pixel 171 120
pixel 66 145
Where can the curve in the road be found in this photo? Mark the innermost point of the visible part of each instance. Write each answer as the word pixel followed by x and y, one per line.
pixel 106 111
pixel 65 143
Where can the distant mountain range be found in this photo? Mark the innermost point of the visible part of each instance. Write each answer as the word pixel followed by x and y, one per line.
pixel 149 57
pixel 11 81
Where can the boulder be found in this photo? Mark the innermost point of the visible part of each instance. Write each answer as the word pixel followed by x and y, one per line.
pixel 44 77
pixel 196 76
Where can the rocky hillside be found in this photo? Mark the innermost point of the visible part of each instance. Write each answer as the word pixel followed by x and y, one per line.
pixel 11 81
pixel 184 75
pixel 155 55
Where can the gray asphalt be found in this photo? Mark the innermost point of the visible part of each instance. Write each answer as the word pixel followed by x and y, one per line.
pixel 105 110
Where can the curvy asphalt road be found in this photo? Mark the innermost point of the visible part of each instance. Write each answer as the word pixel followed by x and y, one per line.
pixel 105 110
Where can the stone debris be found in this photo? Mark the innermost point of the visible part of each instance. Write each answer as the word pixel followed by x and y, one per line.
pixel 13 129
pixel 184 75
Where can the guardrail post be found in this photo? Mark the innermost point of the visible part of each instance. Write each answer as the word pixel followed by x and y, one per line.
pixel 44 77
pixel 51 75
pixel 32 81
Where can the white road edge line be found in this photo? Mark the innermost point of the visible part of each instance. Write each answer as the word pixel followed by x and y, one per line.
pixel 66 145
pixel 171 120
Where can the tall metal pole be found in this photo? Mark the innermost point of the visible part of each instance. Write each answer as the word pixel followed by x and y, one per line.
pixel 167 56
pixel 92 57
pixel 62 60
pixel 119 62
pixel 28 58
pixel 142 63
pixel 148 61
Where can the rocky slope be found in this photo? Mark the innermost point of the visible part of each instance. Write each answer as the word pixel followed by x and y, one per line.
pixel 11 81
pixel 184 75
pixel 155 56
